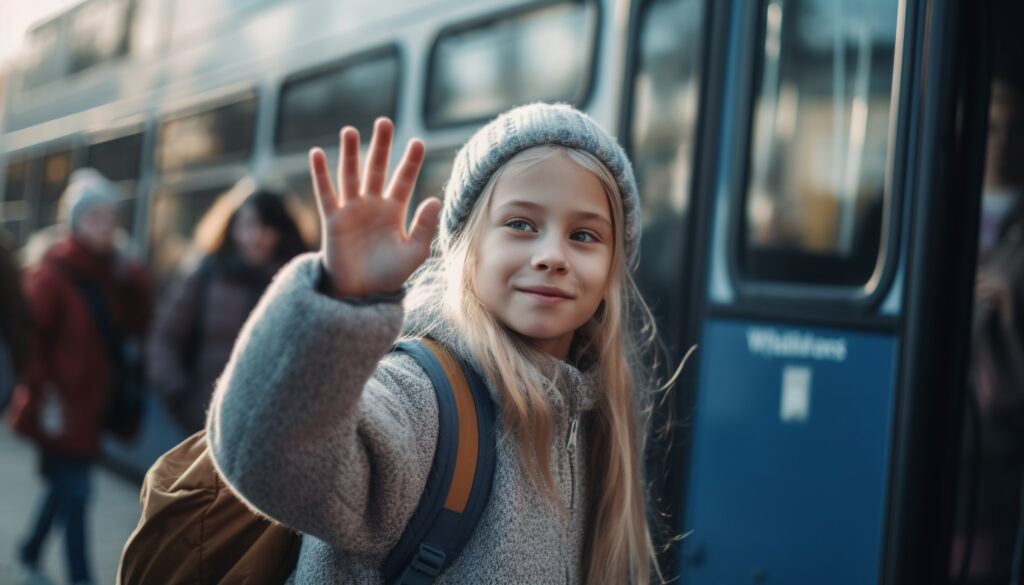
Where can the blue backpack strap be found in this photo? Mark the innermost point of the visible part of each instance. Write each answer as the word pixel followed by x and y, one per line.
pixel 459 484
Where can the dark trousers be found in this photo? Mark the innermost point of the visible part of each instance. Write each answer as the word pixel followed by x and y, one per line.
pixel 64 500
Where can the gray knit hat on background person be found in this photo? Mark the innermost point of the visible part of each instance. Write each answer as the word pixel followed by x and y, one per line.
pixel 525 127
pixel 87 189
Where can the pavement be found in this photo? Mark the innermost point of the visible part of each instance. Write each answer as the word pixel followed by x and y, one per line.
pixel 113 508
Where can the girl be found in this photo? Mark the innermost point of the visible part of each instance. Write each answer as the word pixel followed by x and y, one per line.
pixel 319 427
pixel 248 234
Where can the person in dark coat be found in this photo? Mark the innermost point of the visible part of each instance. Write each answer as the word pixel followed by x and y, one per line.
pixel 249 235
pixel 988 549
pixel 62 399
pixel 15 322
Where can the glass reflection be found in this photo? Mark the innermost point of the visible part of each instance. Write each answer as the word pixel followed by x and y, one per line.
pixel 99 32
pixel 216 135
pixel 356 93
pixel 663 133
pixel 542 55
pixel 172 220
pixel 820 140
pixel 56 170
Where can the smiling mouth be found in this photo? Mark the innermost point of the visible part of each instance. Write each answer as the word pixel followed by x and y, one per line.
pixel 545 295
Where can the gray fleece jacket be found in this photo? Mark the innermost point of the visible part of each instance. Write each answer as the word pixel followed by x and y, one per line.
pixel 319 427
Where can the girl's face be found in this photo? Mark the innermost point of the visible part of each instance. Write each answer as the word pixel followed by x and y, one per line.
pixel 254 240
pixel 546 252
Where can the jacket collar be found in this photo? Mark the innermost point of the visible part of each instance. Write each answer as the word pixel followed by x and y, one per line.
pixel 83 260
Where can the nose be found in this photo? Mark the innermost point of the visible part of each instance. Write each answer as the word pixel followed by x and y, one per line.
pixel 550 255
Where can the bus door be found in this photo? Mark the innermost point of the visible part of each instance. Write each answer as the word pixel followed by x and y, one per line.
pixel 837 266
pixel 669 129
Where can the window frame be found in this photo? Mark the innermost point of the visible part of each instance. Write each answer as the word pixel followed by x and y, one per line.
pixel 324 70
pixel 430 119
pixel 777 294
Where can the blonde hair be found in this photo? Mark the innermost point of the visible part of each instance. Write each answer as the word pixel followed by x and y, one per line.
pixel 619 548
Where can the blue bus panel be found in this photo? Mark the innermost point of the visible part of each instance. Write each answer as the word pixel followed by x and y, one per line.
pixel 790 455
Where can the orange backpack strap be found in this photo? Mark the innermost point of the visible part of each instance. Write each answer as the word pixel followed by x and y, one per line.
pixel 459 484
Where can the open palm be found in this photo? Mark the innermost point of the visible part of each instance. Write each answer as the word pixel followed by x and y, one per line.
pixel 365 244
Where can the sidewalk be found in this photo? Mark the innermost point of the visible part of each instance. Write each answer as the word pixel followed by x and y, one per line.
pixel 112 514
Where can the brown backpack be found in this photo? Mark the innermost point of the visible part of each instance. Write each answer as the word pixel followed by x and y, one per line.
pixel 194 530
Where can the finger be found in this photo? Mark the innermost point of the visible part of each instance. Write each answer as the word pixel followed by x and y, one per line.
pixel 424 224
pixel 404 181
pixel 326 199
pixel 348 163
pixel 377 160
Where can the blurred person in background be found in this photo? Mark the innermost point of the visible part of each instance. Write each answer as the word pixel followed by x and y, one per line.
pixel 989 548
pixel 247 235
pixel 87 303
pixel 14 323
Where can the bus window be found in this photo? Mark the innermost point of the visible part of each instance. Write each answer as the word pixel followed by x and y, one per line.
pixel 819 142
pixel 314 105
pixel 301 203
pixel 56 169
pixel 99 32
pixel 437 167
pixel 118 160
pixel 220 134
pixel 13 208
pixel 663 123
pixel 43 63
pixel 481 69
pixel 173 217
pixel 17 178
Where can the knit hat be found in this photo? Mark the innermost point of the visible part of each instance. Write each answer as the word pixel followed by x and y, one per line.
pixel 87 189
pixel 525 127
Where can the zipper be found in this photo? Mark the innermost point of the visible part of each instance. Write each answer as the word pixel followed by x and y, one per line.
pixel 571 448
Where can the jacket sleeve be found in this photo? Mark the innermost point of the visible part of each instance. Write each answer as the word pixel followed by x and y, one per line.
pixel 316 425
pixel 167 344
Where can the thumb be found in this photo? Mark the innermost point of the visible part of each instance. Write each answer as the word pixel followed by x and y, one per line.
pixel 424 224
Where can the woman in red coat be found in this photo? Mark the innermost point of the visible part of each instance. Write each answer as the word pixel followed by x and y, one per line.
pixel 61 403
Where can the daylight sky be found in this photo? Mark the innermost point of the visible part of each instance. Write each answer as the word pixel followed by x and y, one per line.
pixel 17 16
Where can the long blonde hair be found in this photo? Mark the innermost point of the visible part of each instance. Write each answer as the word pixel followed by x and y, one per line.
pixel 619 547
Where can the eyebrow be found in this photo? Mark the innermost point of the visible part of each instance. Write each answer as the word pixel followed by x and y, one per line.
pixel 583 215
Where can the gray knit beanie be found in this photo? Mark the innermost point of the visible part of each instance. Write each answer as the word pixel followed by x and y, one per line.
pixel 87 189
pixel 525 127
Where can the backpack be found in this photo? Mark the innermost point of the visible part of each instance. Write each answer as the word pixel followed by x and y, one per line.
pixel 194 529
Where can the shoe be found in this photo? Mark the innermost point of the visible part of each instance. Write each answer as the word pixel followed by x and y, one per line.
pixel 29 575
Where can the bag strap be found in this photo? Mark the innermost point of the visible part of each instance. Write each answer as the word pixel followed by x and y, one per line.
pixel 101 313
pixel 459 484
pixel 204 276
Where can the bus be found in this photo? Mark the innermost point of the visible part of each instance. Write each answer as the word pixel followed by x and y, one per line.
pixel 812 174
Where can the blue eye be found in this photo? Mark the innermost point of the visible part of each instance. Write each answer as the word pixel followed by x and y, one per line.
pixel 518 225
pixel 582 236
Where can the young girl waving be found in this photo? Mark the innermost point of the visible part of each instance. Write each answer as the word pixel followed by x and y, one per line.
pixel 319 426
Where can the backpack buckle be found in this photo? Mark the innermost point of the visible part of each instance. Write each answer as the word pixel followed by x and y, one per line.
pixel 429 560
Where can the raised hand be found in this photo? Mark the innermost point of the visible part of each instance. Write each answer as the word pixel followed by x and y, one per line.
pixel 365 245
